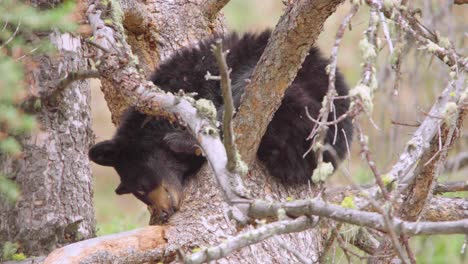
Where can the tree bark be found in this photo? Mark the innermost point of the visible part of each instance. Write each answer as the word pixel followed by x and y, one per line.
pixel 55 207
pixel 287 48
pixel 155 30
pixel 202 220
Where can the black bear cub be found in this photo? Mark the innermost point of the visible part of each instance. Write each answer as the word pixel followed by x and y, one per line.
pixel 154 157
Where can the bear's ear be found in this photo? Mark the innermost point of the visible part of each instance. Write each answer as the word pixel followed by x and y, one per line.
pixel 181 142
pixel 121 189
pixel 104 153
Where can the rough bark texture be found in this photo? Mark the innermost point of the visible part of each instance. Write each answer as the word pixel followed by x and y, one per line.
pixel 145 244
pixel 418 193
pixel 202 221
pixel 438 209
pixel 55 207
pixel 155 30
pixel 287 48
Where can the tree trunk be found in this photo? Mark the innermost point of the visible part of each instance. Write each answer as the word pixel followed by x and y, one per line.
pixel 155 30
pixel 202 219
pixel 55 207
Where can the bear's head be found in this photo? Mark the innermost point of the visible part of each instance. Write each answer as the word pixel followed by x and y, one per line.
pixel 152 158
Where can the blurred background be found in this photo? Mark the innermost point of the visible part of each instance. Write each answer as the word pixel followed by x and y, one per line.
pixel 423 78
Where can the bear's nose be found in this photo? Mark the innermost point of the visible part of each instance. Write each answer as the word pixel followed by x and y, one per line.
pixel 164 200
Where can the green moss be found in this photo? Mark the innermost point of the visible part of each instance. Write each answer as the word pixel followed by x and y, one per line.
pixel 348 202
pixel 388 181
pixel 9 189
pixel 18 257
pixel 9 250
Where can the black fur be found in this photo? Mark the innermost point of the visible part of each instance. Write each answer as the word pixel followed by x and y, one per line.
pixel 146 153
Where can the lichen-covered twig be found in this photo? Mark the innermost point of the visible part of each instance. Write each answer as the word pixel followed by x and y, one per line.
pixel 76 76
pixel 440 47
pixel 320 129
pixel 418 144
pixel 250 237
pixel 320 208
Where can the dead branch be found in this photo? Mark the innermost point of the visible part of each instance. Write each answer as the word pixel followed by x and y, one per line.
pixel 148 243
pixel 228 114
pixel 256 235
pixel 287 48
pixel 417 145
pixel 145 244
pixel 443 187
pixel 262 209
pixel 72 77
pixel 439 208
pixel 320 129
pixel 428 39
pixel 420 189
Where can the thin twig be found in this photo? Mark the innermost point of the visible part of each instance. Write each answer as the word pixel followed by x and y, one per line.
pixel 225 81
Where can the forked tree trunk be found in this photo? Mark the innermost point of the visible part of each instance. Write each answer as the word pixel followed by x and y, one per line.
pixel 55 207
pixel 202 219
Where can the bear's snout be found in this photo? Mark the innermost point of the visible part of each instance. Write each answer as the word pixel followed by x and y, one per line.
pixel 164 201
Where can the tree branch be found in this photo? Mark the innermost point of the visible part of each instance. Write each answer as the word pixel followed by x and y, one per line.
pixel 251 237
pixel 287 48
pixel 262 209
pixel 145 244
pixel 118 68
pixel 429 40
pixel 417 145
pixel 212 7
pixel 75 76
pixel 443 187
pixel 228 132
pixel 420 187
